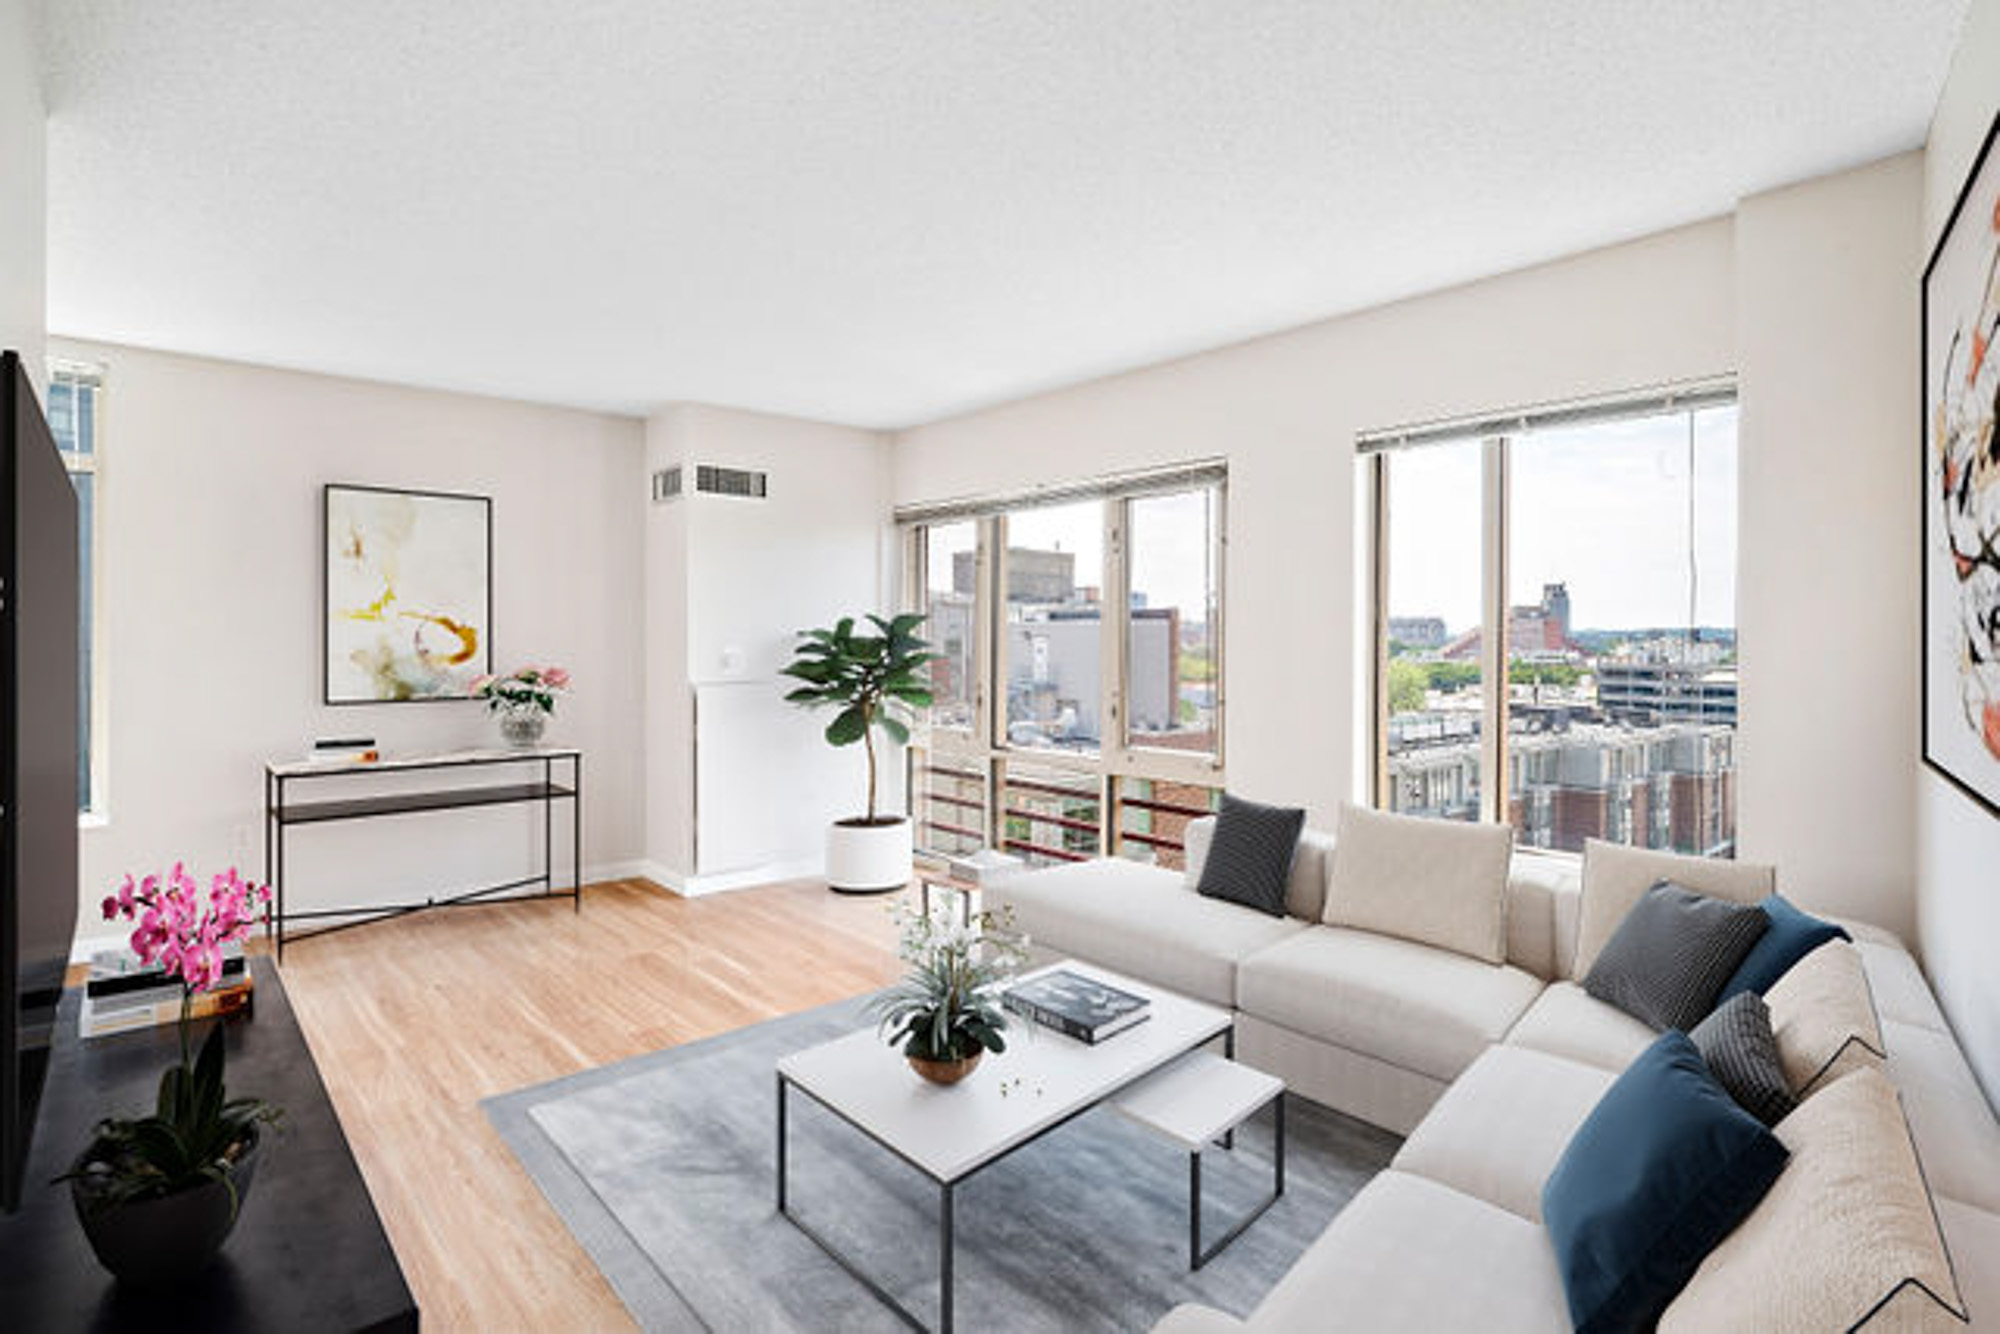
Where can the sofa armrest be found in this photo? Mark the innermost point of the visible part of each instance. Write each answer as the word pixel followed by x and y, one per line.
pixel 1188 1318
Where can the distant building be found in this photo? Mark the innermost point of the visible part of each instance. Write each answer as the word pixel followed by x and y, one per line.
pixel 1671 786
pixel 1536 633
pixel 1030 575
pixel 1417 631
pixel 1659 692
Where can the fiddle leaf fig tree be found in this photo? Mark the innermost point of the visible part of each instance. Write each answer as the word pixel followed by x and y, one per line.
pixel 871 678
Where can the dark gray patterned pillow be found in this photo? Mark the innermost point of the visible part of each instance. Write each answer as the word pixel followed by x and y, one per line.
pixel 1668 960
pixel 1737 1043
pixel 1250 855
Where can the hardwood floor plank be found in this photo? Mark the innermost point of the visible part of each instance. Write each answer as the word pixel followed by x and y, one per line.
pixel 414 1020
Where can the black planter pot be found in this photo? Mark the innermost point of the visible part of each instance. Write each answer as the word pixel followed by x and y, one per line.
pixel 159 1242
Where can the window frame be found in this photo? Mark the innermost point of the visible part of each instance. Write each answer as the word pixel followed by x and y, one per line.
pixel 69 371
pixel 1116 762
pixel 1496 437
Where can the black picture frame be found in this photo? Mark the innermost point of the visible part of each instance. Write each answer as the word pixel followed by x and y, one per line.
pixel 1931 492
pixel 327 493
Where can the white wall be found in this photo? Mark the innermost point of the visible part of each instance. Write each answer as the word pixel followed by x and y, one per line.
pixel 211 566
pixel 1285 411
pixel 1958 843
pixel 23 192
pixel 761 784
pixel 1827 547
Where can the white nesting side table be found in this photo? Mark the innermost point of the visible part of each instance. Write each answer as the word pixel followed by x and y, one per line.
pixel 1197 1101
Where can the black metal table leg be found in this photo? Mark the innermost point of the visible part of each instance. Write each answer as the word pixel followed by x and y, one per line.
pixel 576 832
pixel 944 1257
pixel 1197 1257
pixel 781 1144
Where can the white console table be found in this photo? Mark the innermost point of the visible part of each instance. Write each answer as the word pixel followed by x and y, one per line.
pixel 547 784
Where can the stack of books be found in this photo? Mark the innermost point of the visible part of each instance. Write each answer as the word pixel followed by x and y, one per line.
pixel 1071 1003
pixel 123 994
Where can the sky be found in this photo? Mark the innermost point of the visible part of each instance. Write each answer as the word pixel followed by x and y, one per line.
pixel 1604 509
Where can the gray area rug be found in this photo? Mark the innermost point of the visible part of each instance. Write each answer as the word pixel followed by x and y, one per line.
pixel 663 1168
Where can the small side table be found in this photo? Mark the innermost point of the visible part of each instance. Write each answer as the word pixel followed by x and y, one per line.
pixel 1195 1102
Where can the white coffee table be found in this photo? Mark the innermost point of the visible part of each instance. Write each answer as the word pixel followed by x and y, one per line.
pixel 949 1134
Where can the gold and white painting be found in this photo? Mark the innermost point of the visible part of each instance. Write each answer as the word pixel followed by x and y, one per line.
pixel 409 601
pixel 1961 655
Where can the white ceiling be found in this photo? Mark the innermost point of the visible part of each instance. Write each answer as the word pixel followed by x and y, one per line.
pixel 881 213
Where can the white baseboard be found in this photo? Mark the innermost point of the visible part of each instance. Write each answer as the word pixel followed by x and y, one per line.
pixel 717 882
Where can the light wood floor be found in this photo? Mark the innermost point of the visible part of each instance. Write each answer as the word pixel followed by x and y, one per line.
pixel 413 1021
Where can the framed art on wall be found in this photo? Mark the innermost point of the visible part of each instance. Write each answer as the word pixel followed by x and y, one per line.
pixel 1961 490
pixel 408 594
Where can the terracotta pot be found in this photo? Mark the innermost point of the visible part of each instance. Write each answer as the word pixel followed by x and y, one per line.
pixel 170 1239
pixel 946 1073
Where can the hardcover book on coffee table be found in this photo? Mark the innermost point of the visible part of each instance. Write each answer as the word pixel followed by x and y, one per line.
pixel 1076 1005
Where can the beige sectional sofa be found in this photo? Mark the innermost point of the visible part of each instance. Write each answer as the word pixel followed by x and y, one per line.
pixel 1487 1067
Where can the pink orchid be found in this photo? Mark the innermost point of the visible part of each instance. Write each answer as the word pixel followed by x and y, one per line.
pixel 176 930
pixel 555 678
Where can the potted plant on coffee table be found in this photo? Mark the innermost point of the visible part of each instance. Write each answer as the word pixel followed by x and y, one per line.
pixel 157 1195
pixel 945 1013
pixel 872 679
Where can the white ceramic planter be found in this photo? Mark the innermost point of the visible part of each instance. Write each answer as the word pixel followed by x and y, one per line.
pixel 868 858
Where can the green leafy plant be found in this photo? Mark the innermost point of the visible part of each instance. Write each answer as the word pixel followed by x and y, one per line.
pixel 947 1006
pixel 195 1134
pixel 869 678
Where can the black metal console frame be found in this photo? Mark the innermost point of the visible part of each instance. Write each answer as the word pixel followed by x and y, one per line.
pixel 281 815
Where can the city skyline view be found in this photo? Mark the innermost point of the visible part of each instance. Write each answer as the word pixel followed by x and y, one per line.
pixel 1603 509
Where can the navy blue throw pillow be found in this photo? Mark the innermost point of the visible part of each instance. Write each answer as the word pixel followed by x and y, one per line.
pixel 1661 1171
pixel 1792 936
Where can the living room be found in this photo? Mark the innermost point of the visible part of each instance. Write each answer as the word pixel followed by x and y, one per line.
pixel 719 323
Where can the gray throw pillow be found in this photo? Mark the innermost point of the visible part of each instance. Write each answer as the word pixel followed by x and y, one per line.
pixel 1668 960
pixel 1742 1053
pixel 1250 855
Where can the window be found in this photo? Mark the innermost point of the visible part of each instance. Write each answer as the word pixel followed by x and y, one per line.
pixel 1055 626
pixel 74 404
pixel 1079 693
pixel 1172 648
pixel 951 568
pixel 1556 604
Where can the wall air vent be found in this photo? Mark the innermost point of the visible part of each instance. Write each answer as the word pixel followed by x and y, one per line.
pixel 667 485
pixel 715 481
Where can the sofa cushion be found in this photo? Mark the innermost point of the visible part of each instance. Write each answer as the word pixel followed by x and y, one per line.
pixel 1567 1021
pixel 1541 912
pixel 1422 1008
pixel 1410 1255
pixel 1249 858
pixel 1305 891
pixel 1793 935
pixel 1824 1017
pixel 1499 1130
pixel 1615 877
pixel 1846 1238
pixel 1659 1172
pixel 1956 1133
pixel 1668 959
pixel 1437 882
pixel 1138 920
pixel 1741 1051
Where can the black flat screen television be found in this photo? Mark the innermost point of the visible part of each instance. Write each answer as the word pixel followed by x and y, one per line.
pixel 39 653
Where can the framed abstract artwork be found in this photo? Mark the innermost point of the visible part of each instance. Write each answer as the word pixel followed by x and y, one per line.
pixel 1961 490
pixel 408 594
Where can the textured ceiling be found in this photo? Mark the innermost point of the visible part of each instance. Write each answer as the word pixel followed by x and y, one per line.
pixel 881 213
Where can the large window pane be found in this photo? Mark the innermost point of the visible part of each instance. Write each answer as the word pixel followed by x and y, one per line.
pixel 1170 654
pixel 1054 650
pixel 1621 634
pixel 1432 658
pixel 951 579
